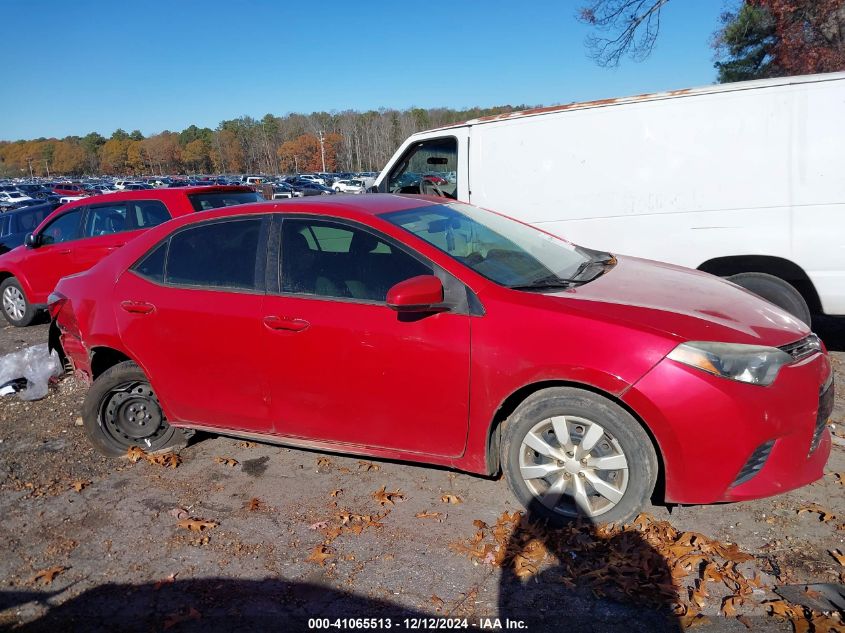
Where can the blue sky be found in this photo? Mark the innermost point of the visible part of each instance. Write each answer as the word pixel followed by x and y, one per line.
pixel 96 65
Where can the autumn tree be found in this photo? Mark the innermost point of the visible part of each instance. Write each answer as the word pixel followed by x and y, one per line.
pixel 113 155
pixel 196 154
pixel 773 38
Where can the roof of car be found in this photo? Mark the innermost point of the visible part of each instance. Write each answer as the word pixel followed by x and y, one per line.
pixel 144 194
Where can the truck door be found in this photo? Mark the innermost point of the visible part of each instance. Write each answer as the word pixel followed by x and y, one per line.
pixel 435 166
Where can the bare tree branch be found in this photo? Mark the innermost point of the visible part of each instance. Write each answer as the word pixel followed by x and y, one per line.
pixel 631 26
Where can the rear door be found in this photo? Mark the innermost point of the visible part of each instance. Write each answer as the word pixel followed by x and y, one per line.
pixel 191 310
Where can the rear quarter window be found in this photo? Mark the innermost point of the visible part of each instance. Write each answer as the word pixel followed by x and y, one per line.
pixel 218 199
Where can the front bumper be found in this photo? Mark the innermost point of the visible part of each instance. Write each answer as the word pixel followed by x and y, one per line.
pixel 708 428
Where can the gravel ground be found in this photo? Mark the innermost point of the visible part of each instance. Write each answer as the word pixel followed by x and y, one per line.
pixel 284 535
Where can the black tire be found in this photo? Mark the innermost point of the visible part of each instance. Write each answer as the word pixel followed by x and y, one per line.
pixel 622 434
pixel 10 290
pixel 775 290
pixel 121 410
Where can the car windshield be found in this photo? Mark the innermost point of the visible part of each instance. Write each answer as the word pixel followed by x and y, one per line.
pixel 503 250
pixel 217 199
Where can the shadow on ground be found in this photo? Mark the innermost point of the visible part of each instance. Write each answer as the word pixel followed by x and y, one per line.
pixel 615 583
pixel 831 330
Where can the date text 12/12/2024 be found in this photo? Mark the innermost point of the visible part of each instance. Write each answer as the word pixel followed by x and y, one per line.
pixel 413 624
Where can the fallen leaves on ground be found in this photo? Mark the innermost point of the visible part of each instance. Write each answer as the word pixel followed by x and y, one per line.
pixel 825 514
pixel 227 461
pixel 452 499
pixel 323 461
pixel 367 466
pixel 320 555
pixel 173 619
pixel 838 555
pixel 197 525
pixel 438 516
pixel 169 460
pixel 78 486
pixel 385 497
pixel 437 602
pixel 246 444
pixel 840 477
pixel 335 493
pixel 47 576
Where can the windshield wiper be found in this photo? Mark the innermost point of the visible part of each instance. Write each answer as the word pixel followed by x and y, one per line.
pixel 553 281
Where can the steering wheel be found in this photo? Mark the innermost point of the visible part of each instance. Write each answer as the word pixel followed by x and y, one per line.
pixel 427 184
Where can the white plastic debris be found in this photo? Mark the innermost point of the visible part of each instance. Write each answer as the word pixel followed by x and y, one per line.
pixel 34 364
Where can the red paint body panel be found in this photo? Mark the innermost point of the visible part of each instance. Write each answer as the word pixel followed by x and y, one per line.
pixel 39 269
pixel 356 376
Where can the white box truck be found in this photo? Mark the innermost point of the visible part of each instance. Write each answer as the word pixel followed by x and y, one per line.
pixel 742 180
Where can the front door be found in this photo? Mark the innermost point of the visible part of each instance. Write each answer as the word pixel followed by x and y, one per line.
pixel 344 367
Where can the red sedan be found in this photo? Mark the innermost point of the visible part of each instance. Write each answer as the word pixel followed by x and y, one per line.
pixel 413 329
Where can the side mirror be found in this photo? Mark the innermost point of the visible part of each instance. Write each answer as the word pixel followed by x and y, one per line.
pixel 32 240
pixel 417 294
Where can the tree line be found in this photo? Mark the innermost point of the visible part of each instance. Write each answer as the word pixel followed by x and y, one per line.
pixel 321 141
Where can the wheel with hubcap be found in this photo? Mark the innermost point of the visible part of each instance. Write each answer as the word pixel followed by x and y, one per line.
pixel 570 453
pixel 17 310
pixel 121 410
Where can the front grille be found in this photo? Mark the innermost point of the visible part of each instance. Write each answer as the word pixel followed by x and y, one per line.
pixel 755 463
pixel 826 397
pixel 807 346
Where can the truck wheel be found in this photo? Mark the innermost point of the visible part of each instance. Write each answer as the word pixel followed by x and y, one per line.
pixel 775 290
pixel 16 308
pixel 121 411
pixel 569 453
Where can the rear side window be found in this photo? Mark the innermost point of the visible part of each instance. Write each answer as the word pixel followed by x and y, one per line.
pixel 217 199
pixel 144 214
pixel 29 221
pixel 218 255
pixel 63 229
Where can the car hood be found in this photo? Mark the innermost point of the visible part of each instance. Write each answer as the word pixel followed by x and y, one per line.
pixel 685 303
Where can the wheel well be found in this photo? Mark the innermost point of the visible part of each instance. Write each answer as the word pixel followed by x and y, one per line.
pixel 516 398
pixel 4 276
pixel 775 266
pixel 103 358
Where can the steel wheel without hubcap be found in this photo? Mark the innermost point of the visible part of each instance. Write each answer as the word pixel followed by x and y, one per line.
pixel 130 415
pixel 14 303
pixel 573 466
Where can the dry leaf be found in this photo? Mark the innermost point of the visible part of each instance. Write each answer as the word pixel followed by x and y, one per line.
pixel 320 554
pixel 335 493
pixel 197 525
pixel 450 498
pixel 255 504
pixel 246 444
pixel 838 555
pixel 438 516
pixel 323 461
pixel 367 466
pixel 729 605
pixel 166 581
pixel 47 576
pixel 385 498
pixel 437 602
pixel 319 525
pixel 79 485
pixel 825 514
pixel 168 460
pixel 135 453
pixel 227 461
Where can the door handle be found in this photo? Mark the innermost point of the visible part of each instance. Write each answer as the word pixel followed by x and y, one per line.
pixel 285 323
pixel 137 307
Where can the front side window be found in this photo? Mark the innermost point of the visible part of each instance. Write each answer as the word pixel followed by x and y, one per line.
pixel 217 255
pixel 105 220
pixel 63 229
pixel 333 259
pixel 428 167
pixel 218 199
pixel 506 251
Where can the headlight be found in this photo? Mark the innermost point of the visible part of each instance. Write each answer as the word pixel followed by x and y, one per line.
pixel 755 364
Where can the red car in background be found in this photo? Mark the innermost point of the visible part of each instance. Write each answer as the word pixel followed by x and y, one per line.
pixel 433 331
pixel 69 189
pixel 79 234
